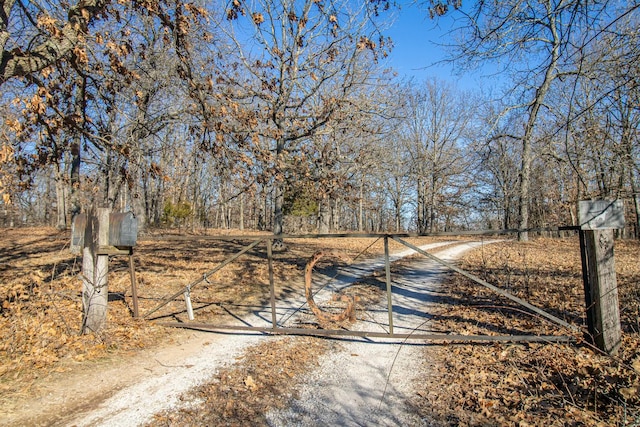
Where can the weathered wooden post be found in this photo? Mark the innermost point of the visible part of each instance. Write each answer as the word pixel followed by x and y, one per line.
pixel 89 233
pixel 96 236
pixel 598 219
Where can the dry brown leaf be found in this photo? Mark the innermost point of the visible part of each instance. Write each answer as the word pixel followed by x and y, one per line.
pixel 630 393
pixel 250 383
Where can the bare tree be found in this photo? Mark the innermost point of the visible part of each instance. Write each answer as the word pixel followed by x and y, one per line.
pixel 294 68
pixel 62 60
pixel 33 38
pixel 614 63
pixel 438 120
pixel 539 43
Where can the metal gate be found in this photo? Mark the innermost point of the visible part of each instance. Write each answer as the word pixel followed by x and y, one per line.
pixel 274 318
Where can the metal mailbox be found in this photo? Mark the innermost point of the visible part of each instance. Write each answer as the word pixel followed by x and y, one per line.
pixel 77 233
pixel 123 229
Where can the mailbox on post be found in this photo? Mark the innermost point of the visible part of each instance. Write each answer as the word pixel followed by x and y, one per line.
pixel 123 229
pixel 77 233
pixel 96 236
pixel 123 232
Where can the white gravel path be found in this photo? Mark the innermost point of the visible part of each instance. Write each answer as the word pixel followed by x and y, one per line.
pixel 368 381
pixel 346 389
pixel 174 373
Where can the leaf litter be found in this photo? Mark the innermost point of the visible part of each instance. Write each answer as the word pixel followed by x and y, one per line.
pixel 489 384
pixel 532 383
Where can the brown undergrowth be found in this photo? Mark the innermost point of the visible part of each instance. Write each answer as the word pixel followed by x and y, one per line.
pixel 40 301
pixel 490 384
pixel 533 384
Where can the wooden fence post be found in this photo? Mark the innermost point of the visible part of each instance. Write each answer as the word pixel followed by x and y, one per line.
pixel 95 266
pixel 598 219
pixel 601 290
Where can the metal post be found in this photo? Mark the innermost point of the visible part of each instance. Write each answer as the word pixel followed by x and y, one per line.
pixel 387 267
pixel 272 289
pixel 187 300
pixel 134 287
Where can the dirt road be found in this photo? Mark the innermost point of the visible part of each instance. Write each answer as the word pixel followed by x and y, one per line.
pixel 368 381
pixel 360 382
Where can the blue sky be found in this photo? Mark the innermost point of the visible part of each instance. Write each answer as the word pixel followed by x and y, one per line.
pixel 416 52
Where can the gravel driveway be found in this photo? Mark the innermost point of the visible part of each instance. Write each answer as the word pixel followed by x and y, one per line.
pixel 367 382
pixel 362 382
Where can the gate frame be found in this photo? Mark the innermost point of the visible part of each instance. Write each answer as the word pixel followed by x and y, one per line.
pixel 274 329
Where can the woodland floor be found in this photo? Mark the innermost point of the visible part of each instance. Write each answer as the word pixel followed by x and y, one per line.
pixel 488 384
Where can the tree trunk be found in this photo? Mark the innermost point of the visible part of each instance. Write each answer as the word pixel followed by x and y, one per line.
pixel 323 216
pixel 261 212
pixel 361 206
pixel 76 150
pixel 111 181
pixel 422 209
pixel 636 205
pixel 527 139
pixel 137 195
pixel 278 205
pixel 634 187
pixel 525 183
pixel 241 225
pixel 61 198
pixel 335 215
pixel 432 207
pixel 74 197
pixel 506 216
pixel 278 215
pixel 264 220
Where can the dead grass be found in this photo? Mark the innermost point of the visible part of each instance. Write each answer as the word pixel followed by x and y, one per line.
pixel 41 312
pixel 40 304
pixel 492 384
pixel 533 384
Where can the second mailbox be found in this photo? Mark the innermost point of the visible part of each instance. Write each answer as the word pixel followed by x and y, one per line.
pixel 123 229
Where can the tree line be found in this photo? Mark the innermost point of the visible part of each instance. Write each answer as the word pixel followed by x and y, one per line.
pixel 282 115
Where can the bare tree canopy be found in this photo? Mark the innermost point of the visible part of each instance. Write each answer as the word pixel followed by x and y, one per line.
pixel 539 44
pixel 266 114
pixel 295 69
